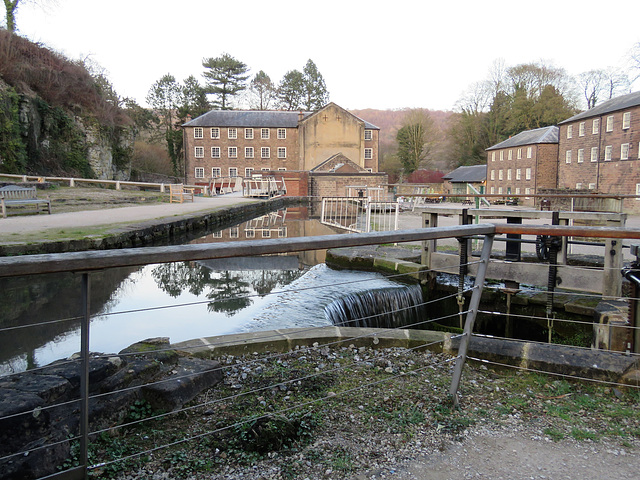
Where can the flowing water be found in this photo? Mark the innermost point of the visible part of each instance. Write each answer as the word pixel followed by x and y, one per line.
pixel 181 300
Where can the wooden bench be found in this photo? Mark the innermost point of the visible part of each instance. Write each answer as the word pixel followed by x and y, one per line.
pixel 15 195
pixel 180 192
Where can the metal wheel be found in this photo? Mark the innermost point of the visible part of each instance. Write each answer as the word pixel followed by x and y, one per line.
pixel 542 247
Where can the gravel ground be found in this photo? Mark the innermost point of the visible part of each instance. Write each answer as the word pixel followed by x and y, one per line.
pixel 374 414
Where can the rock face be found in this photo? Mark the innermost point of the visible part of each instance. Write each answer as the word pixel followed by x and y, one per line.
pixel 41 408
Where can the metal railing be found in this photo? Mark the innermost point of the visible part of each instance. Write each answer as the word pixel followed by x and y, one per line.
pixel 84 263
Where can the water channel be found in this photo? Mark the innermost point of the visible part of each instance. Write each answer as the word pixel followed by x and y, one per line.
pixel 178 300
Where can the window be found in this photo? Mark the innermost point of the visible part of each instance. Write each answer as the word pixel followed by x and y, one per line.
pixel 493 156
pixel 580 155
pixel 501 155
pixel 266 233
pixel 232 133
pixel 595 127
pixel 217 234
pixel 282 133
pixel 234 232
pixel 264 134
pixel 519 153
pixel 199 152
pixel 248 133
pixel 594 154
pixel 607 153
pixel 370 170
pixel 624 151
pixel 637 190
pixel 499 190
pixel 578 186
pixel 232 152
pixel 581 129
pixel 199 172
pixel 527 191
pixel 609 123
pixel 518 173
pixel 626 120
pixel 500 174
pixel 569 131
pixel 567 156
pixel 248 172
pixel 233 171
pixel 248 152
pixel 215 132
pixel 527 174
pixel 368 153
pixel 198 132
pixel 265 169
pixel 367 135
pixel 265 152
pixel 216 172
pixel 493 190
pixel 282 152
pixel 282 169
pixel 517 190
pixel 509 174
pixel 529 152
pixel 510 155
pixel 215 152
pixel 493 174
pixel 250 233
pixel 592 186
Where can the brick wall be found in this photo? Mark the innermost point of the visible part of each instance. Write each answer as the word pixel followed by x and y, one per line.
pixel 335 185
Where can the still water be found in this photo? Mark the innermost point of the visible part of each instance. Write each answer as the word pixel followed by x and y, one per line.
pixel 178 300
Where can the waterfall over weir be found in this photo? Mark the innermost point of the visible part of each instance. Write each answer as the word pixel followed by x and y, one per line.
pixel 380 308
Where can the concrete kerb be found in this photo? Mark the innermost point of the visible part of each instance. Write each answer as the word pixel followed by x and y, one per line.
pixel 556 359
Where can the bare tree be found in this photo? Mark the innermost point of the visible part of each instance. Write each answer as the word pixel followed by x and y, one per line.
pixel 602 84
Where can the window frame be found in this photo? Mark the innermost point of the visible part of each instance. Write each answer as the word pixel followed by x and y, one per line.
pixel 218 149
pixel 249 152
pixel 265 133
pixel 529 152
pixel 624 151
pixel 215 133
pixel 264 150
pixel 609 126
pixel 518 174
pixel 368 153
pixel 527 173
pixel 232 133
pixel 248 133
pixel 368 134
pixel 230 150
pixel 567 156
pixel 608 153
pixel 626 120
pixel 595 126
pixel 198 132
pixel 282 134
pixel 198 172
pixel 569 131
pixel 198 152
pixel 492 175
pixel 581 129
pixel 282 152
pixel 580 158
pixel 500 174
pixel 594 154
pixel 216 172
pixel 248 172
pixel 231 172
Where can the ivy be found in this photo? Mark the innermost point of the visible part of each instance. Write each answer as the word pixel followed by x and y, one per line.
pixel 13 152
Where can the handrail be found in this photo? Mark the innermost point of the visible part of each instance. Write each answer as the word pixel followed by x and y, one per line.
pixel 96 260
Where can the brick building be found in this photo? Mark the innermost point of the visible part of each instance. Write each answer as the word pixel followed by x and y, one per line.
pixel 599 149
pixel 523 163
pixel 233 143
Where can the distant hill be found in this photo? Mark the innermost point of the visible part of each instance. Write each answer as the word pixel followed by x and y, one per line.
pixel 390 122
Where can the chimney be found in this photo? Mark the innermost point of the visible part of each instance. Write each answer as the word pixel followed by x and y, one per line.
pixel 300 115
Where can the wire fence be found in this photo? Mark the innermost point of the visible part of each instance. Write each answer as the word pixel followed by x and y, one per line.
pixel 54 428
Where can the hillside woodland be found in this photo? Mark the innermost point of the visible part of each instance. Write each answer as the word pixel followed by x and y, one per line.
pixel 57 118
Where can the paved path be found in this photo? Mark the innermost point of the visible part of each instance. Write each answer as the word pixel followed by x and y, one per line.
pixel 37 224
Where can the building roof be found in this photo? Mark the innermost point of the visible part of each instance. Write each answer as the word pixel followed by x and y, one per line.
pixel 255 118
pixel 467 174
pixel 530 137
pixel 615 104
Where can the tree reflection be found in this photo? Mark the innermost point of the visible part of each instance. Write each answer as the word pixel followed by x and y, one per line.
pixel 227 291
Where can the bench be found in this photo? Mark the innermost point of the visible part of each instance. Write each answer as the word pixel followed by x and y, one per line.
pixel 180 192
pixel 15 195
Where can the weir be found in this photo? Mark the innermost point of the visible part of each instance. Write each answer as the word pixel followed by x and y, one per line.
pixel 394 307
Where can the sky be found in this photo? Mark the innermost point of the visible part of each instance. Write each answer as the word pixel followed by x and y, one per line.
pixel 372 54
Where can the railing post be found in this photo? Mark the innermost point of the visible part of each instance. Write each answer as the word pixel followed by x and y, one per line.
pixel 84 375
pixel 471 317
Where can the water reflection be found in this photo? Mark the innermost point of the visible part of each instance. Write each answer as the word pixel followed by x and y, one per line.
pixel 179 300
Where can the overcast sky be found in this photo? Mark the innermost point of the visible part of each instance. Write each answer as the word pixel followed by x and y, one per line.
pixel 372 54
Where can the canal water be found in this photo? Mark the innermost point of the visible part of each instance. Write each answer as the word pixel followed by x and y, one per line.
pixel 178 300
